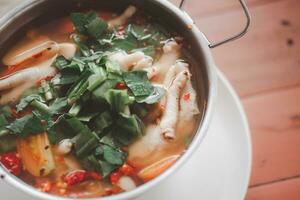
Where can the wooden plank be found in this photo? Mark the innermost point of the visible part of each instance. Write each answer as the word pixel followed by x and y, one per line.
pixel 288 190
pixel 275 125
pixel 267 58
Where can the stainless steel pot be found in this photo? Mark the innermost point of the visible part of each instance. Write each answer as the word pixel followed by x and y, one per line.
pixel 34 12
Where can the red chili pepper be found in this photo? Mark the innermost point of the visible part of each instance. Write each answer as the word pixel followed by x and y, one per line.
pixel 44 186
pixel 120 86
pixel 79 176
pixel 75 177
pixel 12 162
pixel 187 96
pixel 114 177
pixel 95 176
pixel 126 169
pixel 114 190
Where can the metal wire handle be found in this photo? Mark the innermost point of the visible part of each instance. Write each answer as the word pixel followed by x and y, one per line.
pixel 234 37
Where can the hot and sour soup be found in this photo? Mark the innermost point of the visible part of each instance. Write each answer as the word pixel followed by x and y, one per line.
pixel 95 104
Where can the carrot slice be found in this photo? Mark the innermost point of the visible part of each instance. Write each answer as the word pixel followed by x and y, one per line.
pixel 157 168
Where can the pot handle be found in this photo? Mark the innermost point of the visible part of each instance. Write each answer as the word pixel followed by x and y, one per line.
pixel 236 36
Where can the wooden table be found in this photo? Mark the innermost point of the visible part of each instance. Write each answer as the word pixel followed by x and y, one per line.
pixel 264 68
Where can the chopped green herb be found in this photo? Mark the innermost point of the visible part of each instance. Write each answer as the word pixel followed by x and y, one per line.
pixel 138 83
pixel 29 124
pixel 26 101
pixel 117 99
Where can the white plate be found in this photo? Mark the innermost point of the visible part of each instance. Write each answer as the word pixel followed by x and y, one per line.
pixel 219 170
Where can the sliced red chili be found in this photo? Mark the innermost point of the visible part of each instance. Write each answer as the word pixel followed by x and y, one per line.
pixel 120 86
pixel 187 96
pixel 114 190
pixel 44 186
pixel 79 176
pixel 114 177
pixel 95 176
pixel 75 177
pixel 12 163
pixel 126 170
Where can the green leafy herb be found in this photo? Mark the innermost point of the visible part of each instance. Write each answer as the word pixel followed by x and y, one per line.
pixel 7 143
pixel 82 46
pixel 29 124
pixel 89 24
pixel 26 101
pixel 153 98
pixel 148 50
pixel 101 122
pixel 117 99
pixel 78 89
pixel 113 156
pixel 138 83
pixel 59 105
pixel 107 168
pixel 85 142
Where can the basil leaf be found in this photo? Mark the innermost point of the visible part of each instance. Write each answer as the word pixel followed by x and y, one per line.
pixel 138 83
pixel 107 168
pixel 96 26
pixel 117 99
pixel 97 78
pixel 153 98
pixel 148 50
pixel 79 21
pixel 128 128
pixel 113 156
pixel 7 143
pixel 65 127
pixel 113 67
pixel 6 112
pixel 3 120
pixel 139 32
pixel 85 142
pixel 127 44
pixel 110 141
pixel 61 62
pixel 84 49
pixel 29 124
pixel 131 124
pixel 92 163
pixel 101 122
pixel 98 93
pixel 59 105
pixel 89 24
pixel 26 101
pixel 79 88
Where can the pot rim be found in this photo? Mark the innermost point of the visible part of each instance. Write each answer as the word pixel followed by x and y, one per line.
pixel 198 138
